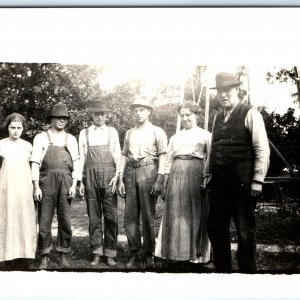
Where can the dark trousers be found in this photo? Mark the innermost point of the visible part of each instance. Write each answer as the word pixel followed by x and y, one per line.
pixel 101 200
pixel 231 200
pixel 55 188
pixel 138 183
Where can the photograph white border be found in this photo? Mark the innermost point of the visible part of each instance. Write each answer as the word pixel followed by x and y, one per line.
pixel 194 36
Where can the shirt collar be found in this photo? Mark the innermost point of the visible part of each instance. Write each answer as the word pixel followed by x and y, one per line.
pixel 191 129
pixel 103 127
pixel 145 125
pixel 228 112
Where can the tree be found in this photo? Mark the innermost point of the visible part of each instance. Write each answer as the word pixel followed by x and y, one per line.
pixel 33 89
pixel 284 132
pixel 286 75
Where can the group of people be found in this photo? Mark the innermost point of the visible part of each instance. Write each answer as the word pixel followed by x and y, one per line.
pixel 230 163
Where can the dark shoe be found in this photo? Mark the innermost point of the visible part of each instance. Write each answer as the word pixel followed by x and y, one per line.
pixel 96 260
pixel 149 262
pixel 110 262
pixel 133 260
pixel 22 264
pixel 44 262
pixel 9 264
pixel 64 262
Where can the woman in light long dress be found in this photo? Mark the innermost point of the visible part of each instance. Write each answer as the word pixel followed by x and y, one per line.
pixel 17 214
pixel 183 229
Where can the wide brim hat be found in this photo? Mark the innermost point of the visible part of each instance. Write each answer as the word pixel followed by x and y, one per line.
pixel 224 80
pixel 141 102
pixel 97 106
pixel 59 110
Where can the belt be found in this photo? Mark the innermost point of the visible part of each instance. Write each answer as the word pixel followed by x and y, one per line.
pixel 99 165
pixel 137 164
pixel 187 157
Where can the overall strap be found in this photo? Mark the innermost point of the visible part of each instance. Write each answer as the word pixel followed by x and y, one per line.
pixel 155 136
pixel 49 139
pixel 87 137
pixel 66 139
pixel 109 136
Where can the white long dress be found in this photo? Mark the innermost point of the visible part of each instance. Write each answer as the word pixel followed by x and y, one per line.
pixel 17 214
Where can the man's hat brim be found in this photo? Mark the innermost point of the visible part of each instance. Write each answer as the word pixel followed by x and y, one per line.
pixel 56 116
pixel 226 86
pixel 143 105
pixel 97 106
pixel 91 109
pixel 226 80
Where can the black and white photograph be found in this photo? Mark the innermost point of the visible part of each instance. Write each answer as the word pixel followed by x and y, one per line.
pixel 157 144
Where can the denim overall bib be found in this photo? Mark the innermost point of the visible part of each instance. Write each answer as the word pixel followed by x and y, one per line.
pixel 100 169
pixel 55 182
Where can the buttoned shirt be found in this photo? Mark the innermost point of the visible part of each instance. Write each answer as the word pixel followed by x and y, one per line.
pixel 146 141
pixel 255 124
pixel 99 135
pixel 40 146
pixel 194 142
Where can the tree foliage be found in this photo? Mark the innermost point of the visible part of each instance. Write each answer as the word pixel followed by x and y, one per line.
pixel 33 89
pixel 286 75
pixel 284 132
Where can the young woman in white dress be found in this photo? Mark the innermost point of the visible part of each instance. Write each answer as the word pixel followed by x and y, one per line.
pixel 17 214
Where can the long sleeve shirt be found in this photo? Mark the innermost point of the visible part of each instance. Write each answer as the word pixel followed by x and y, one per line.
pixel 255 123
pixel 195 142
pixel 40 146
pixel 147 141
pixel 99 135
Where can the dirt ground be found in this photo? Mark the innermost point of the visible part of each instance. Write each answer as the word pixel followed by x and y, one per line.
pixel 278 238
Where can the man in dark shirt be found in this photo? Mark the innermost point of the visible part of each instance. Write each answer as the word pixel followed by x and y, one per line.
pixel 239 162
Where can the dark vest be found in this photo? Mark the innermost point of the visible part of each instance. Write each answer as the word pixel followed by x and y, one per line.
pixel 231 141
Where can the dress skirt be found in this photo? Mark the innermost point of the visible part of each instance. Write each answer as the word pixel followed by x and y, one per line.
pixel 17 212
pixel 183 230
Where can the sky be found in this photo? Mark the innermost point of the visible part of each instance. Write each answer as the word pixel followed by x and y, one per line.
pixel 159 44
pixel 276 97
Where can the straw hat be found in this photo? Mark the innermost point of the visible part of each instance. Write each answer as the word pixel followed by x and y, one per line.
pixel 141 102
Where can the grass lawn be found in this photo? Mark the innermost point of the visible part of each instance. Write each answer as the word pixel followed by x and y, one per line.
pixel 272 229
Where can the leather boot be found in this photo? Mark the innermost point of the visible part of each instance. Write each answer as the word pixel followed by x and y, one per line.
pixel 96 260
pixel 110 262
pixel 44 262
pixel 22 263
pixel 149 261
pixel 9 264
pixel 133 261
pixel 64 262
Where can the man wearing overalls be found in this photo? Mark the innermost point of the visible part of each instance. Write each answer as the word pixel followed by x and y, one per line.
pixel 100 151
pixel 142 168
pixel 55 166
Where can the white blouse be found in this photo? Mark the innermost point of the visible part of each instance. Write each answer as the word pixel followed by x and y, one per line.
pixel 194 141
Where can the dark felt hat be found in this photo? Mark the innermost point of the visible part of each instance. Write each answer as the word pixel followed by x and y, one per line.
pixel 224 80
pixel 59 110
pixel 97 106
pixel 141 102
